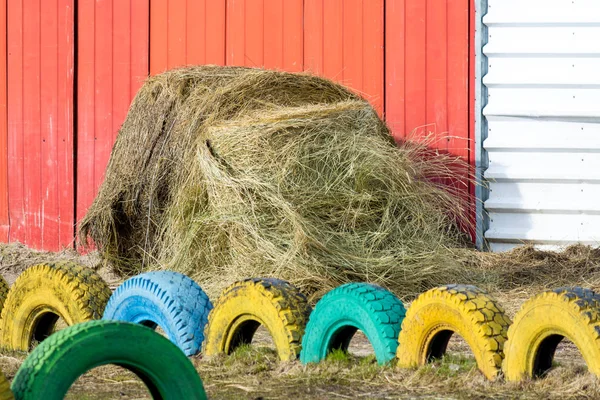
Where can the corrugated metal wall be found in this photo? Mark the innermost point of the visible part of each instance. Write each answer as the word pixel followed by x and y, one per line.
pixel 543 136
pixel 419 80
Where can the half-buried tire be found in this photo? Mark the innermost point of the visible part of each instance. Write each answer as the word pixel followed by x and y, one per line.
pixel 246 305
pixel 53 366
pixel 437 314
pixel 541 324
pixel 44 293
pixel 166 299
pixel 377 312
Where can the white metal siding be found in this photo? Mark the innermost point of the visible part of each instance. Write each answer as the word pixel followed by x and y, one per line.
pixel 543 122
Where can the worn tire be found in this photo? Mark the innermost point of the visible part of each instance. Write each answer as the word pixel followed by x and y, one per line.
pixel 5 391
pixel 377 312
pixel 55 364
pixel 540 325
pixel 464 309
pixel 246 305
pixel 42 294
pixel 167 299
pixel 3 294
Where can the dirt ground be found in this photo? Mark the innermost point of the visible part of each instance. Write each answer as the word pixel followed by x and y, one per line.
pixel 253 372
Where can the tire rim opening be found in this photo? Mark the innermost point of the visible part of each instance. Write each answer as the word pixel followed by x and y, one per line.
pixel 450 345
pixel 46 325
pixel 112 381
pixel 253 333
pixel 556 351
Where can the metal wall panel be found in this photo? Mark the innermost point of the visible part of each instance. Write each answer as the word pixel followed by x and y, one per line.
pixel 40 122
pixel 543 138
pixel 4 220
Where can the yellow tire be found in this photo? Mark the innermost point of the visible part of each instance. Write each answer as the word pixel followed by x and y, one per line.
pixel 540 325
pixel 3 293
pixel 44 293
pixel 245 305
pixel 438 313
pixel 5 392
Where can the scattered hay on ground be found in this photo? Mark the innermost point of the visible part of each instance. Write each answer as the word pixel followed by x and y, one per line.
pixel 226 173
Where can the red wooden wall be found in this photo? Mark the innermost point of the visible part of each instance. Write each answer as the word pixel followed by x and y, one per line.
pixel 112 64
pixel 410 58
pixel 40 121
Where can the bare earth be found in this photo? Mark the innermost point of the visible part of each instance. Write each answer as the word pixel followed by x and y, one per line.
pixel 254 373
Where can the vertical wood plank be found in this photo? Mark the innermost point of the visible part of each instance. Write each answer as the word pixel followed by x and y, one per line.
pixel 4 219
pixel 273 34
pixel 66 67
pixel 49 116
pixel 293 39
pixel 416 67
pixel 140 45
pixel 31 122
pixel 121 65
pixel 352 44
pixel 254 46
pixel 214 32
pixel 395 72
pixel 16 189
pixel 373 53
pixel 196 32
pixel 159 52
pixel 333 33
pixel 436 115
pixel 313 36
pixel 176 33
pixel 236 30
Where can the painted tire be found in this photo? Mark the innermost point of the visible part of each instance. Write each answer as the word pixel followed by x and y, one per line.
pixel 3 294
pixel 5 392
pixel 542 322
pixel 464 309
pixel 246 305
pixel 167 299
pixel 377 312
pixel 55 364
pixel 42 294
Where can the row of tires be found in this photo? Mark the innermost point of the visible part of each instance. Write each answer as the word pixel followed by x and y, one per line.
pixel 174 302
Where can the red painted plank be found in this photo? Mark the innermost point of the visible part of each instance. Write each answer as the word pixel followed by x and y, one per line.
pixel 215 31
pixel 436 115
pixel 196 32
pixel 103 93
pixel 121 65
pixel 458 79
pixel 4 220
pixel 176 33
pixel 49 116
pixel 31 122
pixel 235 32
pixel 254 50
pixel 86 105
pixel 373 53
pixel 16 191
pixel 65 148
pixel 395 67
pixel 293 38
pixel 313 36
pixel 140 46
pixel 416 67
pixel 158 36
pixel 273 34
pixel 333 55
pixel 352 44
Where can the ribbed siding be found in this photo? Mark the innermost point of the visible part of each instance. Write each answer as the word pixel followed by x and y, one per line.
pixel 543 115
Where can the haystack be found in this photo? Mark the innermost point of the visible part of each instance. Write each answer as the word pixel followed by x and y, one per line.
pixel 225 173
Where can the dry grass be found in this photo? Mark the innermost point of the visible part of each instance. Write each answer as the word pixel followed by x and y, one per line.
pixel 223 173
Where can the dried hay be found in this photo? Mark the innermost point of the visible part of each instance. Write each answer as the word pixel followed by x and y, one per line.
pixel 228 173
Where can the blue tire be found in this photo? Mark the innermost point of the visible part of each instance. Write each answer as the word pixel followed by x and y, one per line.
pixel 166 299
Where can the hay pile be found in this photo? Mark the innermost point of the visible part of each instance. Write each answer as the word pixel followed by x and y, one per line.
pixel 228 173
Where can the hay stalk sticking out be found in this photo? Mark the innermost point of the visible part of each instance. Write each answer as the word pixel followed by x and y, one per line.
pixel 228 173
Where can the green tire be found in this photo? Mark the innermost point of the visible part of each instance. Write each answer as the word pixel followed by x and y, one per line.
pixel 58 361
pixel 377 312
